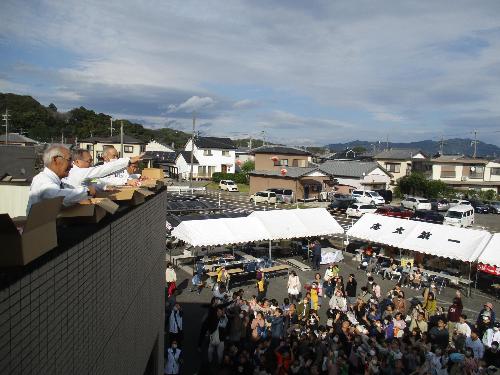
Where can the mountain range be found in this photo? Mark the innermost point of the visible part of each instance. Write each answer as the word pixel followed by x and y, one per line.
pixel 454 146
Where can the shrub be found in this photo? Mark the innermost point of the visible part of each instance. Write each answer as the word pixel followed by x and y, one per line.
pixel 239 178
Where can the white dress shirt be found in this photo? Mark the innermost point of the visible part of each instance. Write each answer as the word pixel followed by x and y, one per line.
pixel 47 185
pixel 83 176
pixel 119 178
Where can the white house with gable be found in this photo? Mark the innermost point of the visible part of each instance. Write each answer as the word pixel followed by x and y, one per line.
pixel 157 146
pixel 213 155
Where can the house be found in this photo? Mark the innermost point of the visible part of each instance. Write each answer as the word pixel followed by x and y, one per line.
pixel 183 165
pixel 351 174
pixel 157 146
pixel 274 157
pixel 18 166
pixel 243 154
pixel 17 139
pixel 401 162
pixel 212 154
pixel 467 173
pixel 305 182
pixel 163 160
pixel 95 145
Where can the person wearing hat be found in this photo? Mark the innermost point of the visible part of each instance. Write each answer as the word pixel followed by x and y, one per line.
pixel 487 310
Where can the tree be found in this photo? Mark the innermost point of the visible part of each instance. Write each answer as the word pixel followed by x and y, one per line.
pixel 417 184
pixel 53 107
pixel 248 166
pixel 359 149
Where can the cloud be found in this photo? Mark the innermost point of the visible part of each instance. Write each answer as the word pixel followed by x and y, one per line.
pixel 246 104
pixel 194 103
pixel 384 116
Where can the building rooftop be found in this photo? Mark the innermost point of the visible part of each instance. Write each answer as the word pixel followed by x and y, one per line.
pixel 457 159
pixel 399 153
pixel 293 172
pixel 17 138
pixel 215 142
pixel 17 163
pixel 114 139
pixel 280 150
pixel 349 168
pixel 187 157
pixel 161 156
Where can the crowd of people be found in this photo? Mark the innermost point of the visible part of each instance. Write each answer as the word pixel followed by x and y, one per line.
pixel 367 331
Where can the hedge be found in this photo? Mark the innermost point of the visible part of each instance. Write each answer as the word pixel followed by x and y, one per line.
pixel 239 178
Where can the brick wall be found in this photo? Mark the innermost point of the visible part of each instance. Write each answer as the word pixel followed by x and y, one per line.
pixel 95 307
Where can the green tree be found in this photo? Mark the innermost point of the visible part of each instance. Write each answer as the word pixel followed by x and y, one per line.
pixel 359 149
pixel 417 184
pixel 248 166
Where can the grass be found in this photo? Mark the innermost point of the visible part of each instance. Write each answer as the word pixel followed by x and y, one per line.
pixel 243 188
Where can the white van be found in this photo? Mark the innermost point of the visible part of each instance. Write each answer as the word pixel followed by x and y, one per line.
pixel 460 216
pixel 368 197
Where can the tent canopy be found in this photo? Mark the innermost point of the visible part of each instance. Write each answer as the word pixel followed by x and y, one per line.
pixel 434 239
pixel 258 226
pixel 491 253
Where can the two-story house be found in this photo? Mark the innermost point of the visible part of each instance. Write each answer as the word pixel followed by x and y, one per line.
pixel 467 173
pixel 95 145
pixel 401 162
pixel 275 157
pixel 212 154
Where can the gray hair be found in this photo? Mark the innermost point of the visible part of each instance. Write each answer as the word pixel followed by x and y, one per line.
pixel 51 152
pixel 78 153
pixel 106 149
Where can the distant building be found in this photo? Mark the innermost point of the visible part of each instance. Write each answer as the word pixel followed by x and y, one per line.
pixel 95 145
pixel 157 146
pixel 401 162
pixel 213 154
pixel 242 155
pixel 163 160
pixel 18 166
pixel 272 158
pixel 18 139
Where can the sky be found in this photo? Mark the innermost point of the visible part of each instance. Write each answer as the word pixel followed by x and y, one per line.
pixel 294 72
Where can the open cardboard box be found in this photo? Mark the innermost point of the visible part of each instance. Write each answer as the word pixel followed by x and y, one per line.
pixel 27 238
pixel 91 210
pixel 153 173
pixel 153 184
pixel 129 194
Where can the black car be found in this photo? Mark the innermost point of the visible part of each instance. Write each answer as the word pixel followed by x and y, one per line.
pixel 480 207
pixel 386 194
pixel 341 204
pixel 428 216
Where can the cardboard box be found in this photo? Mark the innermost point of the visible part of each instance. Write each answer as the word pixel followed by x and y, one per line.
pixel 153 184
pixel 25 239
pixel 153 173
pixel 131 195
pixel 90 211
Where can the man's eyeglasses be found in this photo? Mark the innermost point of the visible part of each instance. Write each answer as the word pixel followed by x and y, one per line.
pixel 88 161
pixel 62 157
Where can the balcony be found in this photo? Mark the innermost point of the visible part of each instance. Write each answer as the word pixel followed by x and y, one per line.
pixel 448 174
pixel 476 176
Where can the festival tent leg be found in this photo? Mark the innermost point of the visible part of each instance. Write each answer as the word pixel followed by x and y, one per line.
pixel 270 250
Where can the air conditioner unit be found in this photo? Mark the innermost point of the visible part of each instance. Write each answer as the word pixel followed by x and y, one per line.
pixel 464 178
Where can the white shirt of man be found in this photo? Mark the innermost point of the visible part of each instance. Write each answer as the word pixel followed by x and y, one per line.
pixel 172 365
pixel 83 176
pixel 47 185
pixel 170 276
pixel 463 329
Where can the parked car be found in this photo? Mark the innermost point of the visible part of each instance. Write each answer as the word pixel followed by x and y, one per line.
pixel 460 216
pixel 263 197
pixel 386 194
pixel 479 207
pixel 283 195
pixel 341 204
pixel 494 207
pixel 456 202
pixel 228 185
pixel 394 211
pixel 428 216
pixel 439 204
pixel 368 196
pixel 416 203
pixel 359 209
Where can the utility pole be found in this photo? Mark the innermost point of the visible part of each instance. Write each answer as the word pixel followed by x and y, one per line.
pixel 441 146
pixel 263 137
pixel 387 142
pixel 6 119
pixel 111 126
pixel 62 137
pixel 475 143
pixel 250 144
pixel 121 139
pixel 192 151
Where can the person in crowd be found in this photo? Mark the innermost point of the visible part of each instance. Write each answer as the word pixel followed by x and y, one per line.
pixel 261 287
pixel 316 253
pixel 223 277
pixel 439 335
pixel 391 267
pixel 419 323
pixel 217 335
pixel 351 290
pixel 83 173
pixel 174 359
pixel 430 305
pixel 454 312
pixel 119 178
pixel 303 308
pixel 319 283
pixel 170 279
pixel 475 344
pixel 175 325
pixel 293 286
pixel 338 301
pixel 48 183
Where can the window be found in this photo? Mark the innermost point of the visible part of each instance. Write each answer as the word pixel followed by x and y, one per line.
pixel 299 163
pixel 393 167
pixel 143 148
pixel 128 149
pixel 207 152
pixel 225 152
pixel 283 162
pixel 89 147
pixel 448 171
pixel 494 171
pixel 476 171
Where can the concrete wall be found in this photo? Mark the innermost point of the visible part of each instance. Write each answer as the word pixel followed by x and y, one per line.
pixel 14 199
pixel 96 307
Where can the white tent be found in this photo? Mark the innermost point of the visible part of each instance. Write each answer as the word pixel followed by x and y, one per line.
pixel 435 239
pixel 491 253
pixel 297 223
pixel 258 226
pixel 382 229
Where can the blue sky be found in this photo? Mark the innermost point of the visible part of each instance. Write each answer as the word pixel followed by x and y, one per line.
pixel 305 73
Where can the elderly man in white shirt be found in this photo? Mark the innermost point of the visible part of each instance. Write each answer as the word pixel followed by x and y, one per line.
pixel 82 173
pixel 120 177
pixel 47 184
